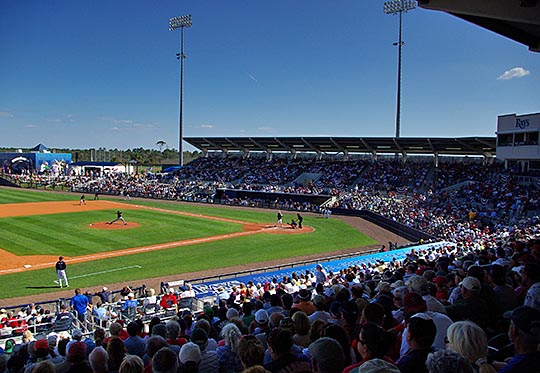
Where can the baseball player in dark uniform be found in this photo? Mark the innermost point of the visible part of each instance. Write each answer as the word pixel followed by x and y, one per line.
pixel 61 271
pixel 118 217
pixel 300 220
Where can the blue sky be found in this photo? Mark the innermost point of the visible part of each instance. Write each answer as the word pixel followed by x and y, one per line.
pixel 90 74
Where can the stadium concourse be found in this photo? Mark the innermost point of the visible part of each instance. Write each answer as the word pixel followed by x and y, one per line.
pixel 476 285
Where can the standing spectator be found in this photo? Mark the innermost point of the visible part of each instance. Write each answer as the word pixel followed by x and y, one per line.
pixel 79 303
pixel 320 274
pixel 104 295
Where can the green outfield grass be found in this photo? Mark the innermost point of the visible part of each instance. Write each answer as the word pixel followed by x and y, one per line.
pixel 78 238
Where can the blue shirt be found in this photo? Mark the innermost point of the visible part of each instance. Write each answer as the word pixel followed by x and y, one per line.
pixel 79 302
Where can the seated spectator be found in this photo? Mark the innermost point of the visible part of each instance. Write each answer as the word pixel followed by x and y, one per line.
pixel 101 315
pixel 524 332
pixel 447 361
pixel 188 293
pixel 415 305
pixel 98 360
pixel 301 329
pixel 228 354
pixel 250 351
pixel 134 344
pixel 129 308
pixel 150 301
pixel 506 297
pixel 169 300
pixel 190 357
pixel 173 336
pixel 327 356
pixel 304 302
pixel 472 306
pixel 470 340
pixel 209 360
pixel 116 352
pixel 420 335
pixel 531 279
pixel 131 364
pixel 419 284
pixel 280 346
pixel 165 361
pixel 76 357
pixel 373 343
pixel 339 334
pixel 153 345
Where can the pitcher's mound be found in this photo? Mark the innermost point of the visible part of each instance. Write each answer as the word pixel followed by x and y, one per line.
pixel 116 225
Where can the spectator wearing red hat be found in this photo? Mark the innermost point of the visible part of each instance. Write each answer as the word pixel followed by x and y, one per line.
pixel 442 288
pixel 77 358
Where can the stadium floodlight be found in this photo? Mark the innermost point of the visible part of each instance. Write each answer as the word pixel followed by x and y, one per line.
pixel 399 7
pixel 181 22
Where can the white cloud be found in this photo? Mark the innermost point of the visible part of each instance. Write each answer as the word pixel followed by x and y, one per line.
pixel 122 121
pixel 515 72
pixel 6 114
pixel 252 78
pixel 31 126
pixel 207 126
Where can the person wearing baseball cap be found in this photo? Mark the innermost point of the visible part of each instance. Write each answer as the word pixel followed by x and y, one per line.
pixel 472 307
pixel 524 332
pixel 61 267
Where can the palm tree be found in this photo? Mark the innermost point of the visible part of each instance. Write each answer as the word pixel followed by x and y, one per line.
pixel 161 144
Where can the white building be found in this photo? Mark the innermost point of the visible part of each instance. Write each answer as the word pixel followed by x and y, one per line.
pixel 518 141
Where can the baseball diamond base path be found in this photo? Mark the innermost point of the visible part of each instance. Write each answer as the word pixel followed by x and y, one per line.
pixel 379 234
pixel 12 263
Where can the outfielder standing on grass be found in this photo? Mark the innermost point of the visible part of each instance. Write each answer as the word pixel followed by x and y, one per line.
pixel 61 271
pixel 118 217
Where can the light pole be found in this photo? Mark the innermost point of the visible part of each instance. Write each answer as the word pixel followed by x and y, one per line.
pixel 175 23
pixel 399 7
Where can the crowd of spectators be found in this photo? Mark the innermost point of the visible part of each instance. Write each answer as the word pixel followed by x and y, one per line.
pixel 441 309
pixel 473 306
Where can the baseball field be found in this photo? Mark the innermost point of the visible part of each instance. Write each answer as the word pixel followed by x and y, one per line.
pixel 160 239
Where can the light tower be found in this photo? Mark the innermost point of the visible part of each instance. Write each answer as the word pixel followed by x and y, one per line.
pixel 180 23
pixel 399 7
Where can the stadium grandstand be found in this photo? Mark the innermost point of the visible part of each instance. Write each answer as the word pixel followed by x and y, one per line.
pixel 462 295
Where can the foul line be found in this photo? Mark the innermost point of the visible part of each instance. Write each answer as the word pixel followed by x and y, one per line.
pixel 107 271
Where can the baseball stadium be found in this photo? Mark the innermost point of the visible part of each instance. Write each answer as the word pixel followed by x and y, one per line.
pixel 327 254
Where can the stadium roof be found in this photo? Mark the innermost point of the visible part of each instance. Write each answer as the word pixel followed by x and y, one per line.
pixel 518 20
pixel 477 146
